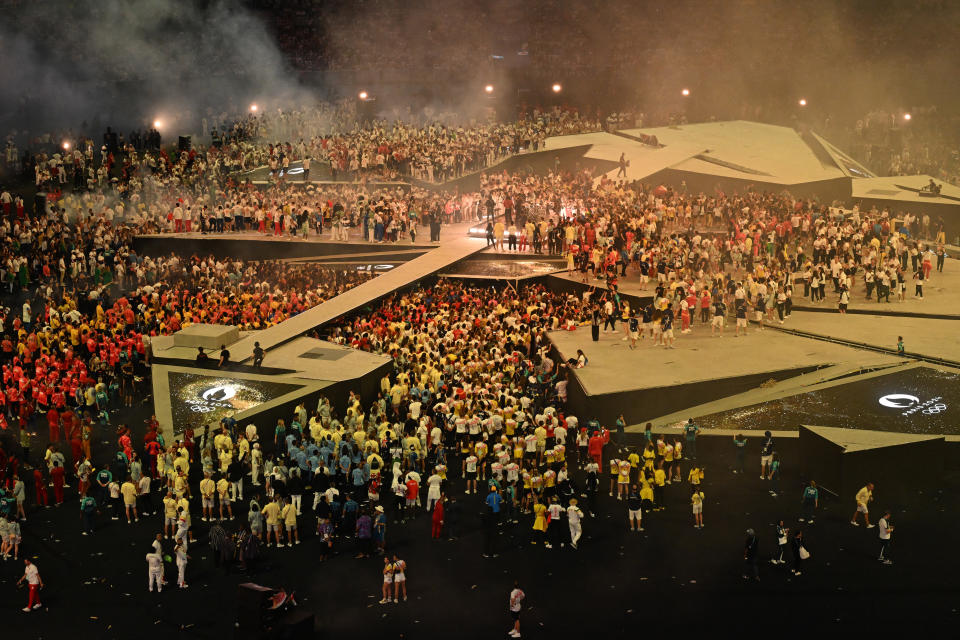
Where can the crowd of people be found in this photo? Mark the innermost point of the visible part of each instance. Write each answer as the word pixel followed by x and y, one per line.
pixel 472 418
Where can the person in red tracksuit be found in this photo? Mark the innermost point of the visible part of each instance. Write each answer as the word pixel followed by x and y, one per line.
pixel 437 518
pixel 53 421
pixel 595 445
pixel 57 474
pixel 41 487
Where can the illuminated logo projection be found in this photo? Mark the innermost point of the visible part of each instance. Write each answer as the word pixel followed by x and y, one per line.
pixel 219 394
pixel 198 399
pixel 899 400
pixel 912 404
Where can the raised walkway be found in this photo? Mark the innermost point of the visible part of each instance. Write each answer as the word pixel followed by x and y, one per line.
pixel 455 245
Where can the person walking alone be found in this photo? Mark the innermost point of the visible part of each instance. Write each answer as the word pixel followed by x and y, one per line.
pixel 750 549
pixel 886 529
pixel 696 500
pixel 800 553
pixel 574 516
pixel 809 501
pixel 34 583
pixel 864 498
pixel 516 605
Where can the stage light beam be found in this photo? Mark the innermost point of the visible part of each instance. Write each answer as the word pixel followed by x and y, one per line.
pixel 557 88
pixel 488 88
pixel 907 116
pixel 66 145
pixel 157 124
pixel 685 92
pixel 803 102
pixel 253 108
pixel 363 95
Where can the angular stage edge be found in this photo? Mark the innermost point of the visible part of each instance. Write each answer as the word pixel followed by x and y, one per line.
pixel 844 460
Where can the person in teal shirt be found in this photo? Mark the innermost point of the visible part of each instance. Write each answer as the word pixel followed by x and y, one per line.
pixel 774 476
pixel 810 499
pixel 691 430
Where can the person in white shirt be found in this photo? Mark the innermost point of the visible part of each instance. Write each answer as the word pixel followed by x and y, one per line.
pixel 885 530
pixel 516 605
pixel 32 575
pixel 154 570
pixel 574 516
pixel 182 557
pixel 433 490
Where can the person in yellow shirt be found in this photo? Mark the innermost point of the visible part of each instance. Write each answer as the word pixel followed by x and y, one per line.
pixel 289 516
pixel 181 486
pixel 539 522
pixel 668 461
pixel 223 490
pixel 271 513
pixel 614 474
pixel 696 501
pixel 634 460
pixel 184 503
pixel 623 480
pixel 541 433
pixel 169 514
pixel 864 497
pixel 659 480
pixel 649 455
pixel 695 477
pixel 646 497
pixel 207 488
pixel 129 492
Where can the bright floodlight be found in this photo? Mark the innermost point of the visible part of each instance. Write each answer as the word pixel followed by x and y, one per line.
pixel 66 145
pixel 556 87
pixel 363 95
pixel 157 124
pixel 906 116
pixel 253 107
pixel 685 92
pixel 488 88
pixel 803 102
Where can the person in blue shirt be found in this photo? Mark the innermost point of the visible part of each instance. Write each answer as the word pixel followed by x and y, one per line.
pixel 359 480
pixel 691 430
pixel 621 427
pixel 350 510
pixel 344 464
pixel 494 500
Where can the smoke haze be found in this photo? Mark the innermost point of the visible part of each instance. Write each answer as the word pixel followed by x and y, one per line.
pixel 128 62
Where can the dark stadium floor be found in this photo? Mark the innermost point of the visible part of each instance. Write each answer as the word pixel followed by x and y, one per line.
pixel 670 578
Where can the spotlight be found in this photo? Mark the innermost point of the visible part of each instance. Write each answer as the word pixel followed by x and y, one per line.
pixel 253 108
pixel 556 87
pixel 488 88
pixel 685 92
pixel 803 102
pixel 907 116
pixel 157 124
pixel 363 95
pixel 66 145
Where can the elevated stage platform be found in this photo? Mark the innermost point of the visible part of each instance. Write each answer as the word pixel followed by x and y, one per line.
pixel 656 384
pixel 251 245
